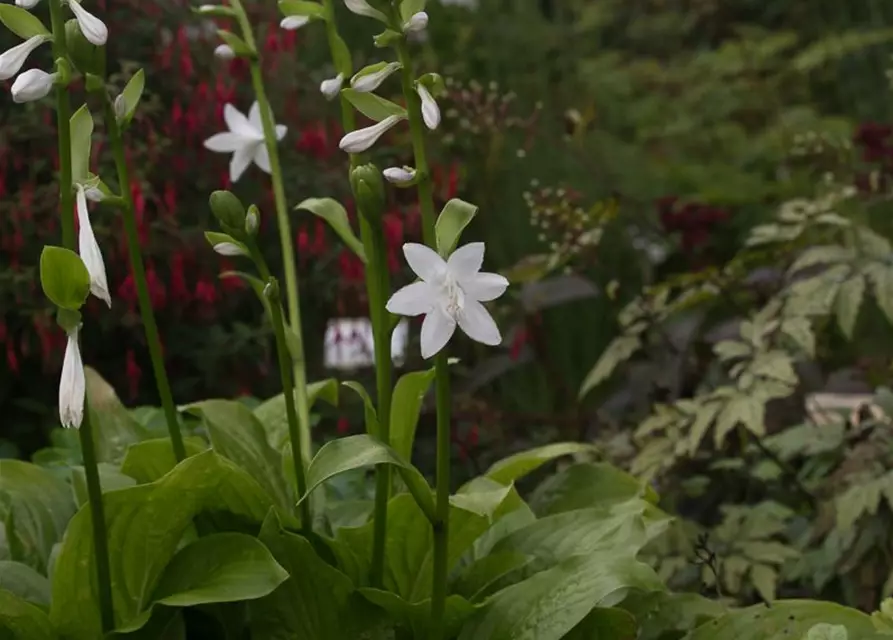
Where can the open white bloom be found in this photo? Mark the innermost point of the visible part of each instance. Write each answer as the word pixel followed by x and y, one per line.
pixel 27 4
pixel 363 8
pixel 72 384
pixel 361 139
pixel 229 249
pixel 88 248
pixel 32 85
pixel 416 23
pixel 11 60
pixel 245 140
pixel 93 28
pixel 224 52
pixel 331 87
pixel 291 23
pixel 371 81
pixel 430 110
pixel 399 175
pixel 450 292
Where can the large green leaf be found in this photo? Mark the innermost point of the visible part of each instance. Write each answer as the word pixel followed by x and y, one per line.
pixel 147 461
pixel 662 613
pixel 237 434
pixel 110 478
pixel 24 582
pixel 415 616
pixel 22 620
pixel 587 485
pixel 519 465
pixel 406 404
pixel 369 413
pixel 605 624
pixel 552 602
pixel 114 427
pixel 145 525
pixel 272 415
pixel 35 506
pixel 477 580
pixel 783 620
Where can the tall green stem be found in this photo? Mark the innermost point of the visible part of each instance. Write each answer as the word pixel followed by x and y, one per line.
pixel 426 206
pixel 85 433
pixel 285 238
pixel 142 288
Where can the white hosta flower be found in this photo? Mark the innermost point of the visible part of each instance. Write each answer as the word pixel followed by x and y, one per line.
pixel 363 8
pixel 245 140
pixel 32 85
pixel 229 249
pixel 72 384
pixel 449 293
pixel 361 139
pixel 224 52
pixel 399 175
pixel 371 81
pixel 416 23
pixel 291 23
pixel 331 87
pixel 27 4
pixel 11 60
pixel 93 28
pixel 430 110
pixel 88 248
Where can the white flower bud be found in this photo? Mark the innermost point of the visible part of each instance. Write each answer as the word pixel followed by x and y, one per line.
pixel 363 8
pixel 89 251
pixel 430 110
pixel 120 107
pixel 251 222
pixel 27 4
pixel 371 81
pixel 417 22
pixel 224 52
pixel 94 194
pixel 331 87
pixel 399 175
pixel 11 61
pixel 93 28
pixel 72 384
pixel 291 23
pixel 361 139
pixel 32 85
pixel 229 249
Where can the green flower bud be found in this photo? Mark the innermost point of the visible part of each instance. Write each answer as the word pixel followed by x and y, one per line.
pixel 229 211
pixel 368 189
pixel 271 291
pixel 252 220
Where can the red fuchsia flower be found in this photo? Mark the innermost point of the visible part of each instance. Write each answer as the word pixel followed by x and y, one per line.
pixel 186 66
pixel 134 373
pixel 157 291
pixel 170 197
pixel 521 338
pixel 350 267
pixel 180 292
pixel 314 141
pixel 205 292
pixel 320 239
pixel 343 426
pixel 12 360
pixel 127 292
pixel 231 283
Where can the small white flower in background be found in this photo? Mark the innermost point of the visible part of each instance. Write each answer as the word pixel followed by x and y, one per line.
pixel 88 248
pixel 93 28
pixel 430 110
pixel 228 249
pixel 11 60
pixel 224 52
pixel 32 85
pixel 361 139
pixel 72 384
pixel 399 175
pixel 450 292
pixel 416 23
pixel 27 4
pixel 363 8
pixel 330 88
pixel 245 140
pixel 291 23
pixel 371 81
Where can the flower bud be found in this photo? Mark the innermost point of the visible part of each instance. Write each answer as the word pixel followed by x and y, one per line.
pixel 368 189
pixel 120 107
pixel 229 211
pixel 224 52
pixel 370 78
pixel 252 220
pixel 271 290
pixel 417 22
pixel 32 85
pixel 400 176
pixel 292 23
pixel 361 139
pixel 27 4
pixel 229 249
pixel 331 87
pixel 430 110
pixel 92 27
pixel 11 61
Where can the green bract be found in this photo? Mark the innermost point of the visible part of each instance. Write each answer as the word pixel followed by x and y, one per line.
pixel 64 278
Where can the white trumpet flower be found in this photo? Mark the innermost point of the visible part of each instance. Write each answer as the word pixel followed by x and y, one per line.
pixel 417 22
pixel 88 248
pixel 32 85
pixel 72 384
pixel 224 52
pixel 229 249
pixel 331 87
pixel 361 139
pixel 363 8
pixel 371 81
pixel 93 28
pixel 430 110
pixel 399 175
pixel 291 23
pixel 245 140
pixel 11 60
pixel 449 293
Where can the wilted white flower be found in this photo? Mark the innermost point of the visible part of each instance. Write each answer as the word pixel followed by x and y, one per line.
pixel 449 293
pixel 430 110
pixel 416 23
pixel 371 81
pixel 361 139
pixel 229 249
pixel 88 248
pixel 93 28
pixel 224 52
pixel 72 384
pixel 290 23
pixel 32 85
pixel 330 88
pixel 245 140
pixel 363 8
pixel 11 60
pixel 399 175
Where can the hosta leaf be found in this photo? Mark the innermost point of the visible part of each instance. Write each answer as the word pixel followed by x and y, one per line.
pixel 272 413
pixel 848 303
pixel 606 624
pixel 582 486
pixel 617 352
pixel 147 461
pixel 663 613
pixel 369 413
pixel 114 427
pixel 416 616
pixel 25 583
pixel 21 619
pixel 517 466
pixel 406 403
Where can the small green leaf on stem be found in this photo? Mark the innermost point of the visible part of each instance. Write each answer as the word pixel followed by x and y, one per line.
pixel 341 56
pixel 312 10
pixel 21 22
pixel 451 223
pixel 127 103
pixel 239 46
pixel 81 138
pixel 373 106
pixel 370 415
pixel 64 277
pixel 332 212
pixel 409 8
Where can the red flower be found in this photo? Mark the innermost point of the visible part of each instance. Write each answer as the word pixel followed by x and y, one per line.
pixel 134 373
pixel 205 292
pixel 343 425
pixel 179 289
pixel 157 292
pixel 12 361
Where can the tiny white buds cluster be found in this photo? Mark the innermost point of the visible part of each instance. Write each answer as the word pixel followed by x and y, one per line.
pixel 11 61
pixel 332 86
pixel 32 85
pixel 430 110
pixel 93 28
pixel 224 52
pixel 417 23
pixel 399 175
pixel 292 23
pixel 361 139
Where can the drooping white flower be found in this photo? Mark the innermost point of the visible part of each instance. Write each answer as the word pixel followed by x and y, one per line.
pixel 416 23
pixel 229 249
pixel 11 60
pixel 363 8
pixel 72 384
pixel 27 4
pixel 291 23
pixel 94 194
pixel 361 139
pixel 224 52
pixel 399 175
pixel 32 85
pixel 88 248
pixel 449 293
pixel 332 86
pixel 371 81
pixel 93 28
pixel 245 140
pixel 430 110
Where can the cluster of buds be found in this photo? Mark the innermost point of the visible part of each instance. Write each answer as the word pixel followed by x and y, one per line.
pixel 563 222
pixel 693 221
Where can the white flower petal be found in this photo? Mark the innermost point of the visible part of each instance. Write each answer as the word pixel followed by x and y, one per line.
pixel 399 175
pixel 478 324
pixel 94 194
pixel 290 23
pixel 371 81
pixel 330 88
pixel 363 8
pixel 240 161
pixel 437 329
pixel 226 142
pixel 72 385
pixel 254 118
pixel 281 130
pixel 228 249
pixel 361 139
pixel 262 158
pixel 224 52
pixel 32 85
pixel 425 262
pixel 430 110
pixel 27 4
pixel 485 287
pixel 239 124
pixel 11 60
pixel 416 23
pixel 466 261
pixel 413 299
pixel 93 28
pixel 88 248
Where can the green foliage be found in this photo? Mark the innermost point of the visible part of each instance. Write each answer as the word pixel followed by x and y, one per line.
pixel 64 278
pixel 336 216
